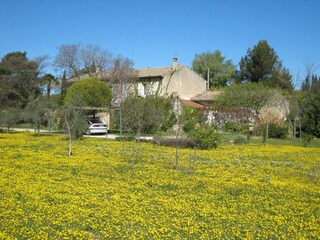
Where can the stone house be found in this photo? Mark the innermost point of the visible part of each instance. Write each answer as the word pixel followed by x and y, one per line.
pixel 175 80
pixel 178 80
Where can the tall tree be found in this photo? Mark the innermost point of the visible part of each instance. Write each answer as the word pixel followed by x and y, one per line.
pixel 68 59
pixel 122 77
pixel 215 66
pixel 311 106
pixel 95 60
pixel 63 86
pixel 77 60
pixel 18 79
pixel 50 81
pixel 262 64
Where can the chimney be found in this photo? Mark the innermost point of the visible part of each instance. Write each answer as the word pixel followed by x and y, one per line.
pixel 175 63
pixel 98 70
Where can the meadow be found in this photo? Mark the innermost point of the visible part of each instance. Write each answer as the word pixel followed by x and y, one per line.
pixel 123 190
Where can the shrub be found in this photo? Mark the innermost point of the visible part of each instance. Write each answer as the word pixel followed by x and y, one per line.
pixel 276 131
pixel 307 138
pixel 235 127
pixel 205 137
pixel 172 142
pixel 240 140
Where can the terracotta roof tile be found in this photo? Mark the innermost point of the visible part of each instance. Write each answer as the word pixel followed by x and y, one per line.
pixel 153 72
pixel 192 104
pixel 207 96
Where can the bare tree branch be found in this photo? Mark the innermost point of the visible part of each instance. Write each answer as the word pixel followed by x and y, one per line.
pixel 68 59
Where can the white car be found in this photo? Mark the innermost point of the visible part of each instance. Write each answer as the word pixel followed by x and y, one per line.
pixel 96 126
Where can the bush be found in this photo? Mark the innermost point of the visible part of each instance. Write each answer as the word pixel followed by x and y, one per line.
pixel 240 140
pixel 172 142
pixel 276 131
pixel 307 138
pixel 236 127
pixel 205 137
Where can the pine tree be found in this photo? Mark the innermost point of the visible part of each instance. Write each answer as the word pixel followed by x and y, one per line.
pixel 63 89
pixel 262 65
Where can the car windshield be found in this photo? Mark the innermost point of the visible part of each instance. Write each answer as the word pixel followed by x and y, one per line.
pixel 94 121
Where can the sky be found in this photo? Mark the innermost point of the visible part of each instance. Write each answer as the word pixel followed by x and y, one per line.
pixel 152 32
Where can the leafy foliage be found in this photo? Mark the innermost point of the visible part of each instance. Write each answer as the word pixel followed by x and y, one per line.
pixel 73 119
pixel 262 65
pixel 205 137
pixel 246 95
pixel 276 131
pixel 18 79
pixel 240 140
pixel 93 91
pixel 221 70
pixel 50 82
pixel 37 112
pixel 311 106
pixel 235 127
pixel 149 114
pixel 191 119
pixel 9 117
pixel 272 130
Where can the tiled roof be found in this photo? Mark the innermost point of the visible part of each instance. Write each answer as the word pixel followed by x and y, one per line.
pixel 192 104
pixel 207 96
pixel 153 72
pixel 141 73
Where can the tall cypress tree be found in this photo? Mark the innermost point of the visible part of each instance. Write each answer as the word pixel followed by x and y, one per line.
pixel 63 88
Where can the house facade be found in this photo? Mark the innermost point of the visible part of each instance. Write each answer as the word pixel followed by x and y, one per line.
pixel 177 80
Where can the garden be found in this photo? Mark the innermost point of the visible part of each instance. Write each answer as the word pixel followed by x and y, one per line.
pixel 126 190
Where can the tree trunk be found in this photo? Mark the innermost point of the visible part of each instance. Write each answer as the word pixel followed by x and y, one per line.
pixel 70 145
pixel 48 90
pixel 294 129
pixel 177 149
pixel 70 138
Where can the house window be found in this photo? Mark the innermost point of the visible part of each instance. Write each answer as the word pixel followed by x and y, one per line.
pixel 145 89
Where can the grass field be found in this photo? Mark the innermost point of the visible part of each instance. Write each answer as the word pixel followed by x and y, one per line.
pixel 232 192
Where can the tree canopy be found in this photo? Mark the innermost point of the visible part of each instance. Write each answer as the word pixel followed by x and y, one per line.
pixel 262 65
pixel 248 95
pixel 77 60
pixel 93 91
pixel 18 79
pixel 148 114
pixel 311 105
pixel 221 70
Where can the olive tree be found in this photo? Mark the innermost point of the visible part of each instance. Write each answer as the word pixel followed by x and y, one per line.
pixel 9 117
pixel 37 112
pixel 73 119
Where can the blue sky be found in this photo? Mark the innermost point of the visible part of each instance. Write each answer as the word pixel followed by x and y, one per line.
pixel 152 32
